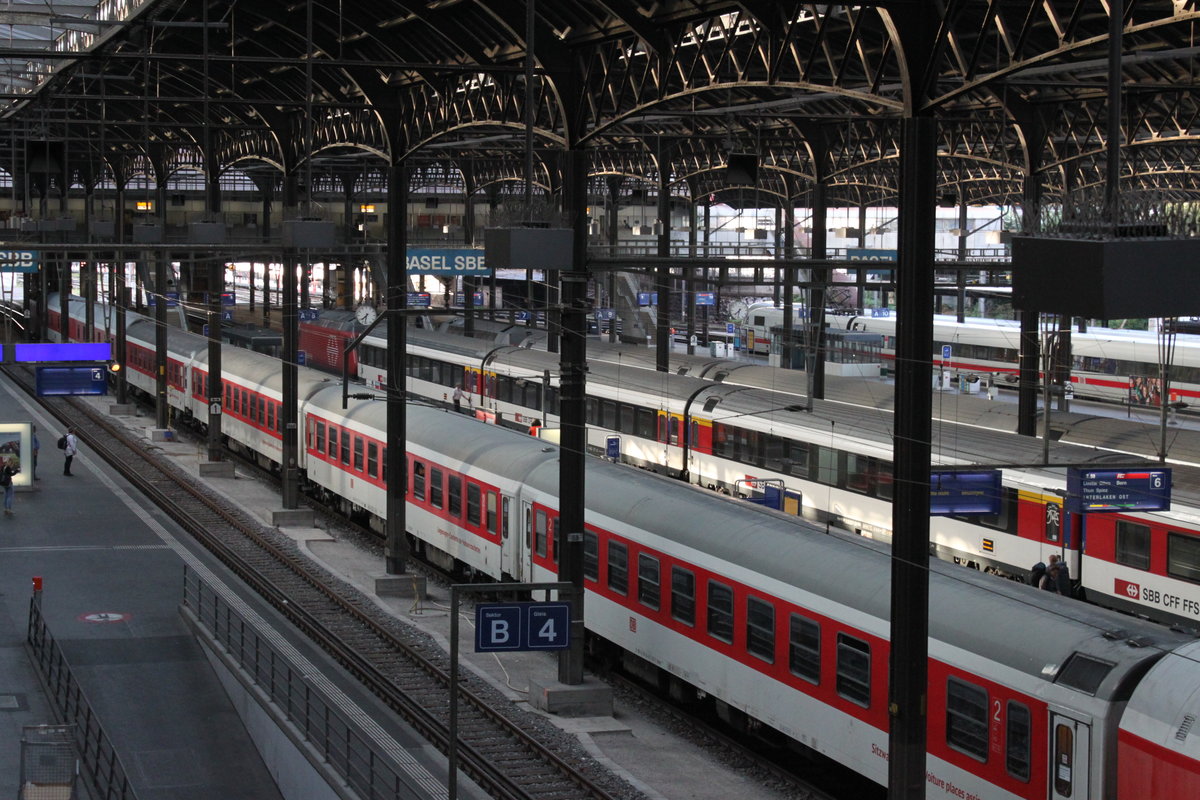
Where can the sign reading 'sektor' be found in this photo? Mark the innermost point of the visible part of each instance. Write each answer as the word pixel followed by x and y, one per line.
pixel 431 261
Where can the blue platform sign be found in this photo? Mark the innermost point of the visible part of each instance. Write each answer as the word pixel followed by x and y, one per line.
pixel 301 357
pixel 522 626
pixel 446 261
pixel 606 314
pixel 706 298
pixel 309 314
pixel 522 316
pixel 612 447
pixel 647 298
pixel 19 260
pixel 947 351
pixel 1107 490
pixel 419 300
pixel 978 492
pixel 460 299
pixel 730 328
pixel 172 299
pixel 228 299
pixel 62 351
pixel 65 381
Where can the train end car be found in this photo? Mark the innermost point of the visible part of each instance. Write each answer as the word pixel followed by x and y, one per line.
pixel 325 338
pixel 1158 745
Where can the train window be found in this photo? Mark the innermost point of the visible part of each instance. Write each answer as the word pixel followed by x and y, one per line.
pixel 760 629
pixel 346 447
pixel 644 424
pixel 618 567
pixel 539 532
pixel 551 400
pixel 474 500
pixel 245 403
pixel 608 414
pixel 774 448
pixel 649 588
pixel 358 454
pixel 884 479
pixel 854 670
pixel 270 416
pixel 591 556
pixel 827 465
pixel 1064 756
pixel 683 595
pixel 262 412
pixel 967 718
pixel 674 424
pixel 627 418
pixel 1133 544
pixel 720 611
pixel 279 418
pixel 333 442
pixel 504 517
pixel 1083 673
pixel 804 648
pixel 321 437
pixel 493 521
pixel 503 389
pixel 254 409
pixel 1017 741
pixel 1005 521
pixel 555 540
pixel 419 480
pixel 372 459
pixel 1183 557
pixel 454 495
pixel 383 464
pixel 592 414
pixel 796 462
pixel 858 473
pixel 435 488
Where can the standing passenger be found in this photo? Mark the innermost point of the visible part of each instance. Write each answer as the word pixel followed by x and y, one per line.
pixel 7 471
pixel 458 396
pixel 69 451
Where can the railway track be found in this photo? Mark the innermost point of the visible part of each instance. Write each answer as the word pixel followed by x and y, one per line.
pixel 494 748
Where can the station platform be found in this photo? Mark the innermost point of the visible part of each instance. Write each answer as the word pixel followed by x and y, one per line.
pixel 111 571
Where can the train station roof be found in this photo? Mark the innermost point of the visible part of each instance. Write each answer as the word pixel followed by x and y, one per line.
pixel 808 92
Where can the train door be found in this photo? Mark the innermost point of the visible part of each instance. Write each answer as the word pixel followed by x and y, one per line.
pixel 1070 743
pixel 515 556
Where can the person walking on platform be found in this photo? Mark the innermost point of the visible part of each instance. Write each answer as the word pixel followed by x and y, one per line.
pixel 7 471
pixel 37 445
pixel 70 448
pixel 457 397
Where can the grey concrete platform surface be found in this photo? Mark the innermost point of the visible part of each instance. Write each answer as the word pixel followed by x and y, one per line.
pixel 112 575
pixel 660 761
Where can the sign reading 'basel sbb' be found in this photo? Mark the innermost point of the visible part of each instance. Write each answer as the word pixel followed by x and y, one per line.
pixel 430 261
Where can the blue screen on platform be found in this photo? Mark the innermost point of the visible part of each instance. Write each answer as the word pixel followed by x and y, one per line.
pixel 72 351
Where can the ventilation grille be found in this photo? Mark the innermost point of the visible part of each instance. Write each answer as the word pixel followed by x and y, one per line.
pixel 1188 721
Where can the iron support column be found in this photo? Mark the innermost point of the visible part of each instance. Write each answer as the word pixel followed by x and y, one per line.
pixel 908 668
pixel 573 441
pixel 396 546
pixel 216 278
pixel 816 307
pixel 662 275
pixel 161 409
pixel 289 319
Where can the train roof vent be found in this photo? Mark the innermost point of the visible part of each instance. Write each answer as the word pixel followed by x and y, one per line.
pixel 1188 721
pixel 1139 641
pixel 1119 633
pixel 681 371
pixel 1084 673
pixel 720 376
pixel 711 403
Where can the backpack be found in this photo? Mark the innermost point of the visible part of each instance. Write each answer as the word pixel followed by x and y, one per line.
pixel 5 475
pixel 1035 574
pixel 62 442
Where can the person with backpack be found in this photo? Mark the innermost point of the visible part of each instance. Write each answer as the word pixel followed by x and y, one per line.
pixel 7 470
pixel 1036 574
pixel 69 444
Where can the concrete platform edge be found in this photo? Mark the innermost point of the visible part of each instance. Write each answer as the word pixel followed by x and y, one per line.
pixel 589 699
pixel 297 768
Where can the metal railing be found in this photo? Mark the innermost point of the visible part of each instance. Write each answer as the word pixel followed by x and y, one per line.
pixel 101 765
pixel 343 748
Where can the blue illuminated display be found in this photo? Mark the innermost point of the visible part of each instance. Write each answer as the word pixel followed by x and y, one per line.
pixel 1108 490
pixel 54 351
pixel 965 493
